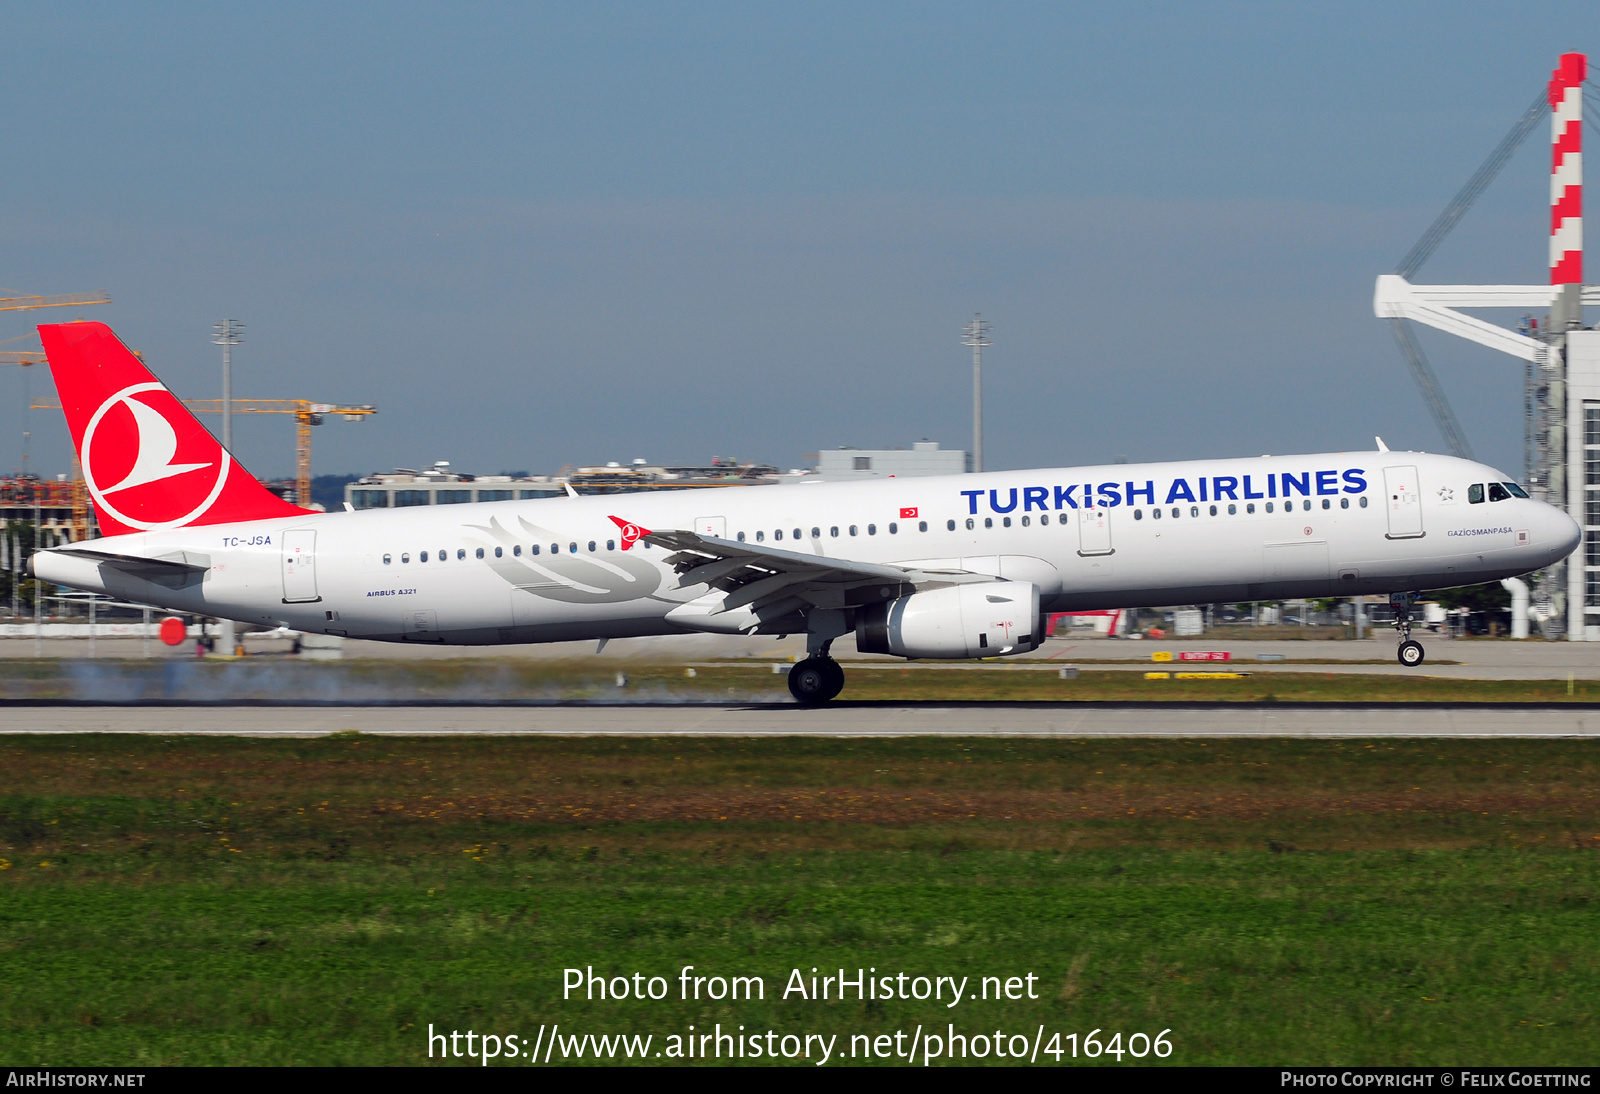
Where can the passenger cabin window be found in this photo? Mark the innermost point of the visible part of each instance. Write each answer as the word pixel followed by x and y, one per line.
pixel 894 528
pixel 591 547
pixel 1155 514
pixel 1475 494
pixel 872 529
pixel 816 533
pixel 499 552
pixel 1213 510
pixel 833 531
pixel 1269 507
pixel 761 537
pixel 988 522
pixel 852 529
pixel 1344 503
pixel 611 545
pixel 1250 507
pixel 1138 514
pixel 572 549
pixel 387 560
pixel 922 526
pixel 1363 501
pixel 971 524
pixel 405 557
pixel 1024 522
pixel 1044 518
pixel 1233 510
pixel 778 534
pixel 1326 504
pixel 1498 492
pixel 1006 521
pixel 797 533
pixel 516 550
pixel 534 549
pixel 1194 510
pixel 949 526
pixel 423 557
pixel 480 552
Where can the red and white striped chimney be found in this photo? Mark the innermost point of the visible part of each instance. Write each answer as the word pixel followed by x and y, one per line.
pixel 1566 170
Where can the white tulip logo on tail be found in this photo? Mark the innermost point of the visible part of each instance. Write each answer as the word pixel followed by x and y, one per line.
pixel 154 444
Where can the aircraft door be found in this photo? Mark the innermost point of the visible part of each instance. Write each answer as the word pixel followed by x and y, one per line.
pixel 300 566
pixel 1094 532
pixel 1404 502
pixel 716 527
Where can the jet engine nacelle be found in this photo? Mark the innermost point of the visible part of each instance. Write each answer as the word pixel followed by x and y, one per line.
pixel 979 620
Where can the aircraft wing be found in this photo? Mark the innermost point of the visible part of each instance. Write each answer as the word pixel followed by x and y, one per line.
pixel 759 577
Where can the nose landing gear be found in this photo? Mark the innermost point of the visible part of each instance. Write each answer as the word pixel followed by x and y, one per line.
pixel 1410 652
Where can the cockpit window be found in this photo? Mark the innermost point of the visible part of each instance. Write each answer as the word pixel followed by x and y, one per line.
pixel 1475 493
pixel 1497 492
pixel 1516 491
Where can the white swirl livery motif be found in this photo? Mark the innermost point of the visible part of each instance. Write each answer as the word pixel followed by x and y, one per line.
pixel 569 578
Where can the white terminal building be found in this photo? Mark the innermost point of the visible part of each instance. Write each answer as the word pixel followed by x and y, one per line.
pixel 922 458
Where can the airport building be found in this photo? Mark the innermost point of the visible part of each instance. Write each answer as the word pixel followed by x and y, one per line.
pixel 922 458
pixel 439 485
pixel 59 508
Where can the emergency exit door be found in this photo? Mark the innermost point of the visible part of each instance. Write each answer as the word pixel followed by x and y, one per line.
pixel 300 566
pixel 716 527
pixel 1404 502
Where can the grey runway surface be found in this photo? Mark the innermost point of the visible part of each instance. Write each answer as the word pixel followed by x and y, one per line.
pixel 839 720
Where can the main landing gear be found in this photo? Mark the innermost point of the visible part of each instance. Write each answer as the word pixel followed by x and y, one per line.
pixel 816 679
pixel 1410 651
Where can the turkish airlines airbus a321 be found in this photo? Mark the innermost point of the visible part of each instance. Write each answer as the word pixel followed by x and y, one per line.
pixel 949 567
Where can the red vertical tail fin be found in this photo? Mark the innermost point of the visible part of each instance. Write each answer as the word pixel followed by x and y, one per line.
pixel 148 462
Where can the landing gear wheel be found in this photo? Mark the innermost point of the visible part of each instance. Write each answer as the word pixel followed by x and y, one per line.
pixel 835 677
pixel 1410 653
pixel 816 680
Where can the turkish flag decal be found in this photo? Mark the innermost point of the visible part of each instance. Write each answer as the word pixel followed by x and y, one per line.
pixel 908 514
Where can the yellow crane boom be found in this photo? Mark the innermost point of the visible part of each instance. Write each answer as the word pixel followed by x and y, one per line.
pixel 65 300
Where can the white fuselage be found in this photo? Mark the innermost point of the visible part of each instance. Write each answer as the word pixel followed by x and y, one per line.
pixel 553 569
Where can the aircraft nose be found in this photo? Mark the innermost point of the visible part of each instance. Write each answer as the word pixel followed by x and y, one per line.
pixel 1565 533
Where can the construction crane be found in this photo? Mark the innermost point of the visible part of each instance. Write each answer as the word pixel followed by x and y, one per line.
pixel 306 414
pixel 65 300
pixel 1404 337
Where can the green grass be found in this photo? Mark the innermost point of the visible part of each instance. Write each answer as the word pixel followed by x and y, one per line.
pixel 322 901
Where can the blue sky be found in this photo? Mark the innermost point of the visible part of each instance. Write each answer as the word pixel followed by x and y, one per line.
pixel 548 234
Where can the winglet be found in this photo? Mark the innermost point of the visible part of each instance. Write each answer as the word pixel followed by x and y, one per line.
pixel 631 533
pixel 1381 446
